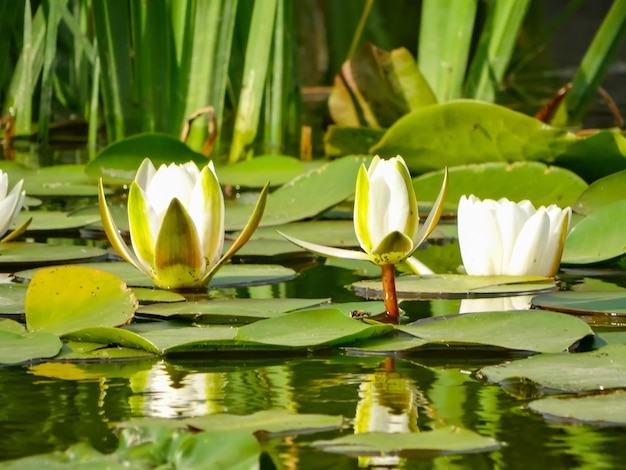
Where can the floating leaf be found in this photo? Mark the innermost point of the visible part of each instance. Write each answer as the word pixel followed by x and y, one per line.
pixel 108 335
pixel 118 163
pixel 332 183
pixel 60 181
pixel 583 302
pixel 310 328
pixel 256 172
pixel 442 441
pixel 12 298
pixel 602 369
pixel 456 286
pixel 230 310
pixel 605 409
pixel 597 238
pixel 53 220
pixel 186 339
pixel 528 330
pixel 21 255
pixel 543 185
pixel 16 347
pixel 63 299
pixel 602 192
pixel 145 295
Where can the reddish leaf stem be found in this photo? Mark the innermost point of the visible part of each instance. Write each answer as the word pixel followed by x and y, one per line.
pixel 389 292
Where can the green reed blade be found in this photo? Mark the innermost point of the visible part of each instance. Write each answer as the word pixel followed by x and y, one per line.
pixel 94 104
pixel 445 37
pixel 495 47
pixel 54 11
pixel 599 56
pixel 112 26
pixel 275 93
pixel 254 75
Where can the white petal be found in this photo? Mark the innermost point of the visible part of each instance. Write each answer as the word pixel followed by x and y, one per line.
pixel 169 182
pixel 527 256
pixel 145 173
pixel 511 219
pixel 4 184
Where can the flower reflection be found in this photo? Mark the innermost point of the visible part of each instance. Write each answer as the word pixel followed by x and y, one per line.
pixel 496 304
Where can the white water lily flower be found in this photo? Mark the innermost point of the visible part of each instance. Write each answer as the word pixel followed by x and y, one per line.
pixel 176 220
pixel 386 219
pixel 506 238
pixel 11 203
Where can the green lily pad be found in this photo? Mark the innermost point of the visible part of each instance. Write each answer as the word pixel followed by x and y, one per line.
pixel 275 423
pixel 231 275
pixel 11 326
pixel 256 172
pixel 332 183
pixel 22 255
pixel 452 286
pixel 118 163
pixel 597 238
pixel 229 310
pixel 12 298
pixel 189 339
pixel 602 192
pixel 148 296
pixel 310 328
pixel 442 441
pixel 108 335
pixel 16 348
pixel 605 409
pixel 62 299
pixel 529 330
pixel 53 220
pixel 323 232
pixel 584 302
pixel 60 181
pixel 597 370
pixel 543 185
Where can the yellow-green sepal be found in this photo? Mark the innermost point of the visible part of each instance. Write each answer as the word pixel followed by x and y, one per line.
pixel 361 208
pixel 139 223
pixel 178 259
pixel 17 232
pixel 244 236
pixel 393 249
pixel 112 232
pixel 327 251
pixel 213 240
pixel 414 217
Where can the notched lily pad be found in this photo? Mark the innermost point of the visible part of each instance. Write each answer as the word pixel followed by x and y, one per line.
pixel 442 441
pixel 456 286
pixel 607 409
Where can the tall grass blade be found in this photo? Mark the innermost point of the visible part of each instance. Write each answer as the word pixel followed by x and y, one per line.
pixel 497 41
pixel 54 11
pixel 275 85
pixel 194 81
pixel 359 29
pixel 112 27
pixel 599 56
pixel 94 104
pixel 445 37
pixel 254 75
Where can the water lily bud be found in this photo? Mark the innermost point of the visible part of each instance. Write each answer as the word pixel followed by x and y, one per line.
pixel 507 238
pixel 11 203
pixel 176 220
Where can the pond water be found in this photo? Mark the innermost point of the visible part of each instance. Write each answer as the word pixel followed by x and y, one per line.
pixel 49 406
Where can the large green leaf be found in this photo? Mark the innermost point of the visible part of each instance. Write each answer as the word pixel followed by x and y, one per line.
pixel 602 192
pixel 331 184
pixel 445 440
pixel 21 255
pixel 598 370
pixel 62 299
pixel 456 286
pixel 466 132
pixel 16 348
pixel 45 221
pixel 540 184
pixel 108 335
pixel 256 172
pixel 597 238
pixel 229 310
pixel 584 302
pixel 605 409
pixel 311 328
pixel 189 339
pixel 524 330
pixel 118 163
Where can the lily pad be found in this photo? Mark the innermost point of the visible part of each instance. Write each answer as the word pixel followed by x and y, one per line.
pixel 605 409
pixel 16 348
pixel 310 328
pixel 332 183
pixel 256 172
pixel 451 286
pixel 229 310
pixel 108 335
pixel 189 339
pixel 62 299
pixel 148 296
pixel 597 370
pixel 442 441
pixel 602 192
pixel 584 302
pixel 21 255
pixel 597 238
pixel 54 220
pixel 528 330
pixel 543 185
pixel 12 298
pixel 118 163
pixel 60 181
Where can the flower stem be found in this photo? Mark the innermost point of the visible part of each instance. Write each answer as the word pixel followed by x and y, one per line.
pixel 389 292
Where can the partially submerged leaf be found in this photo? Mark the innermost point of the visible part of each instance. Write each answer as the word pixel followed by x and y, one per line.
pixel 604 409
pixel 584 302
